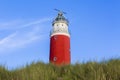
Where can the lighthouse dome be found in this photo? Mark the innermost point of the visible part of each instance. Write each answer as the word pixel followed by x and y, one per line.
pixel 60 19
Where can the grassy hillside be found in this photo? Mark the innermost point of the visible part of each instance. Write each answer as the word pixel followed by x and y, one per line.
pixel 106 70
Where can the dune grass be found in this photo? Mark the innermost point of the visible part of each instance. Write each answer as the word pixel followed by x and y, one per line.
pixel 105 70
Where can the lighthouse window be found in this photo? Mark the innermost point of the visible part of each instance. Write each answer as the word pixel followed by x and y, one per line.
pixel 55 59
pixel 60 29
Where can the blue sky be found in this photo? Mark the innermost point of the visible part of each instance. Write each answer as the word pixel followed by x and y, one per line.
pixel 25 27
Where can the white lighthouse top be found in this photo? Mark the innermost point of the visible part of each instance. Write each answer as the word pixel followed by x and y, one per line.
pixel 60 25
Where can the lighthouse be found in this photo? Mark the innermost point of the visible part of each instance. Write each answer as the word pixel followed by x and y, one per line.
pixel 60 41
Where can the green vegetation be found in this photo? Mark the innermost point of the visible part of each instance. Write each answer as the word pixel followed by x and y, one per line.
pixel 105 70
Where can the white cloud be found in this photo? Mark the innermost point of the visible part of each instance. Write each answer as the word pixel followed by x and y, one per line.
pixel 22 37
pixel 37 22
pixel 17 24
pixel 9 24
pixel 17 39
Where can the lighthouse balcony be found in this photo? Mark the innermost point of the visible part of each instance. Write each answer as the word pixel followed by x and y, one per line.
pixel 52 32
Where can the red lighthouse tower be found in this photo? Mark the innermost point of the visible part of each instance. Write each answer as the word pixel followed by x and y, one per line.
pixel 60 41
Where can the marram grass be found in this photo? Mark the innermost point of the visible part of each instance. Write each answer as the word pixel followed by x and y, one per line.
pixel 105 70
